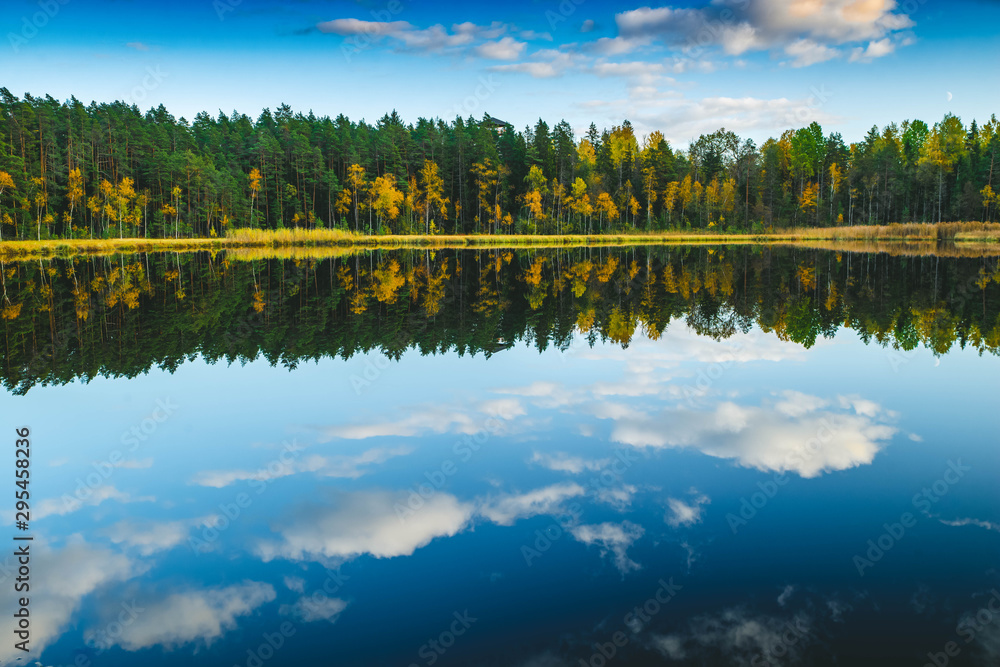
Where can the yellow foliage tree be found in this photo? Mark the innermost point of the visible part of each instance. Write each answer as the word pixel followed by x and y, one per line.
pixel 254 189
pixel 386 198
pixel 6 183
pixel 433 192
pixel 809 197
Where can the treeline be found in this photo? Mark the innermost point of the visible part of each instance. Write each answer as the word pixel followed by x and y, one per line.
pixel 69 170
pixel 81 318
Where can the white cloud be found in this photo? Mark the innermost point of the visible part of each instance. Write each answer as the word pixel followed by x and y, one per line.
pixel 785 595
pixel 149 537
pixel 295 584
pixel 404 36
pixel 545 394
pixel 613 538
pixel 544 64
pixel 875 49
pixel 616 46
pixel 193 616
pixel 61 578
pixel 532 35
pixel 432 419
pixel 506 48
pixel 809 444
pixel 354 27
pixel 797 404
pixel 681 118
pixel 366 522
pixel 979 523
pixel 309 609
pixel 618 497
pixel 807 30
pixel 737 634
pixel 138 46
pixel 806 52
pixel 681 513
pixel 506 509
pixel 563 462
pixel 342 466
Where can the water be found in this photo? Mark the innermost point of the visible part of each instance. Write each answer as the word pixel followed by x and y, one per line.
pixel 691 456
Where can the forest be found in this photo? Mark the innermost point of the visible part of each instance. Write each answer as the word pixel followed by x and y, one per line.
pixel 70 170
pixel 119 316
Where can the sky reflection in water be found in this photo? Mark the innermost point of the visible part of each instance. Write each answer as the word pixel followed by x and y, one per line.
pixel 695 501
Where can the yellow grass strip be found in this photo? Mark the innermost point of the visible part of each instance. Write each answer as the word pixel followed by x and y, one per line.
pixel 982 235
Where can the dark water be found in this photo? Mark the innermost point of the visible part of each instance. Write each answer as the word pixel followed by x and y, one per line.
pixel 685 456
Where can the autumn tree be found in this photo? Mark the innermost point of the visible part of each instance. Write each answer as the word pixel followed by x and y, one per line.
pixel 433 193
pixel 6 183
pixel 386 198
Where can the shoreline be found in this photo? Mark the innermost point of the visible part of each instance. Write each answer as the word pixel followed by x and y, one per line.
pixel 907 239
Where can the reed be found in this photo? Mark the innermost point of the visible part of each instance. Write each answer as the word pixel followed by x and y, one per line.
pixel 983 235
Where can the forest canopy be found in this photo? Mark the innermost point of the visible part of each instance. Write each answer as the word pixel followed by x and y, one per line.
pixel 69 170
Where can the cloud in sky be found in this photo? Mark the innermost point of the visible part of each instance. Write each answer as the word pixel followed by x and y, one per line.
pixel 506 509
pixel 200 615
pixel 807 30
pixel 612 539
pixel 341 466
pixel 484 41
pixel 767 438
pixel 738 634
pixel 564 462
pixel 685 513
pixel 366 522
pixel 493 415
pixel 310 609
pixel 149 537
pixel 61 578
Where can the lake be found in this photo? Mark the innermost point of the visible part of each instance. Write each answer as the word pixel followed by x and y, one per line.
pixel 691 455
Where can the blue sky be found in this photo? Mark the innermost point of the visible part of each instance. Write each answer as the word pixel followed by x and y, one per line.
pixel 756 67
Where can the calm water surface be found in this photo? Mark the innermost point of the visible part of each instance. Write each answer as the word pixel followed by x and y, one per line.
pixel 693 456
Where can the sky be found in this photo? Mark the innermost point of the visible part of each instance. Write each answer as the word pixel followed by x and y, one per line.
pixel 756 67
